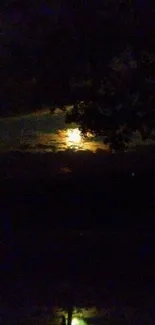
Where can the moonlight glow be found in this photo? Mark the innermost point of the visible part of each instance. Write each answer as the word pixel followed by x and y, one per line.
pixel 74 138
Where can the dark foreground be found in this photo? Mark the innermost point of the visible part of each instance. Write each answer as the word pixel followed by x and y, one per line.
pixel 77 227
pixel 78 189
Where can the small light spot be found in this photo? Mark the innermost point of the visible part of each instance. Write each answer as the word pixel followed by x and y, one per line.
pixel 65 170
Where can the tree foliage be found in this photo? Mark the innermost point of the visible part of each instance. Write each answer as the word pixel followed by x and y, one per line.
pixel 123 86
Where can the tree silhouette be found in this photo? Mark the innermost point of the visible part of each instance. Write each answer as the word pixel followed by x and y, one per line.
pixel 122 95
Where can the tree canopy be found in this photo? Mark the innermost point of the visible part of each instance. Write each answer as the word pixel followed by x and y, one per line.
pixel 122 96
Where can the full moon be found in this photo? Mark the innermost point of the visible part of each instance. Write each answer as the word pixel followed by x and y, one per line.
pixel 74 137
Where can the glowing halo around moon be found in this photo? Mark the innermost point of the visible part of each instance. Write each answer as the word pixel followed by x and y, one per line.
pixel 74 138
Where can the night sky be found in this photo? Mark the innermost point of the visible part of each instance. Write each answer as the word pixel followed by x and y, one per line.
pixel 36 261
